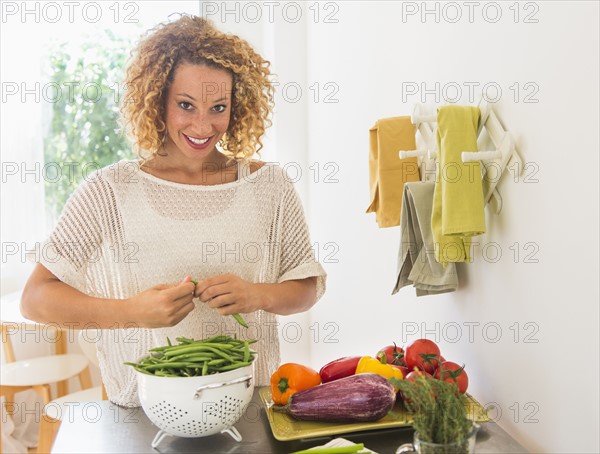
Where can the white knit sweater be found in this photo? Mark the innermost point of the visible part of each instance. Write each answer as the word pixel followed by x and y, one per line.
pixel 124 230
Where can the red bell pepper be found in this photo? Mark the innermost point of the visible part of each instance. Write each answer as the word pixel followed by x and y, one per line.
pixel 340 368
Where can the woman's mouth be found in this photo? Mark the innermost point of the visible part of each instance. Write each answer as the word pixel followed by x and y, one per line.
pixel 197 143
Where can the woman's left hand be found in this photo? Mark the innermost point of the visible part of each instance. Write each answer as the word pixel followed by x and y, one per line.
pixel 229 294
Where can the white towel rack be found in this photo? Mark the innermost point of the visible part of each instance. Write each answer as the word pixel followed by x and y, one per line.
pixel 428 155
pixel 494 162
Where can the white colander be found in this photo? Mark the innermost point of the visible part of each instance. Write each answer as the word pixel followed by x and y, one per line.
pixel 196 406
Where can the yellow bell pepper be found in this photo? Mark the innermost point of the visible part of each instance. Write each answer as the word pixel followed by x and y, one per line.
pixel 368 364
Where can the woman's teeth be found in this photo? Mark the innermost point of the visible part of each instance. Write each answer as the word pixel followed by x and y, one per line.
pixel 198 141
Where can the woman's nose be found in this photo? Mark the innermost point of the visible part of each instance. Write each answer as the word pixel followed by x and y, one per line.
pixel 202 125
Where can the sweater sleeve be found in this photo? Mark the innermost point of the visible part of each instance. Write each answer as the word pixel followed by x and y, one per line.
pixel 297 254
pixel 76 240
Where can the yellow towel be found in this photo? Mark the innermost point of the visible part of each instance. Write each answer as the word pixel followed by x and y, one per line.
pixel 387 172
pixel 458 207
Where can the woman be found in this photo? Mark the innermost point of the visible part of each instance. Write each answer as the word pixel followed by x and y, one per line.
pixel 132 238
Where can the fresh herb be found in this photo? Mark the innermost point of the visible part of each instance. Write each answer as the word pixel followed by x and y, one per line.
pixel 439 411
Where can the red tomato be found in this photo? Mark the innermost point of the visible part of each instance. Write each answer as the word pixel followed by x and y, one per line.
pixel 422 354
pixel 437 362
pixel 411 377
pixel 453 373
pixel 416 373
pixel 393 355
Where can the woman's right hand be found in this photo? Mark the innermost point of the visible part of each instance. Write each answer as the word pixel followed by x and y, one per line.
pixel 162 305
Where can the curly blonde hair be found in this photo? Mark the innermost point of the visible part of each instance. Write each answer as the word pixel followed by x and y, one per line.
pixel 195 40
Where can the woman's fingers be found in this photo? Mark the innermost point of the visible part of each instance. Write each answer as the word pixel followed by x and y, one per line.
pixel 227 293
pixel 222 301
pixel 184 288
pixel 183 311
pixel 214 291
pixel 212 281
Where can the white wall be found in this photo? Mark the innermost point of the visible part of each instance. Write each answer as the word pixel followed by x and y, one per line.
pixel 369 53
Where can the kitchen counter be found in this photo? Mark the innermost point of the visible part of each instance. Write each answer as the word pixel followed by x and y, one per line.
pixel 103 427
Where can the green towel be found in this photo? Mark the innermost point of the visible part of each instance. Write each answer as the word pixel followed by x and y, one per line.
pixel 416 262
pixel 458 206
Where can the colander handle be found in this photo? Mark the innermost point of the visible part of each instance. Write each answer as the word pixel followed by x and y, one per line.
pixel 246 379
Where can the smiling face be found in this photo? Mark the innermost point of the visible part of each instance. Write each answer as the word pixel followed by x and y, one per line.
pixel 197 112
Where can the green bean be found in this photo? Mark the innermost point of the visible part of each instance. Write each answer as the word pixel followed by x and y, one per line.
pixel 169 366
pixel 240 346
pixel 138 368
pixel 192 358
pixel 236 359
pixel 219 338
pixel 179 348
pixel 170 348
pixel 238 318
pixel 162 373
pixel 233 366
pixel 241 352
pixel 216 362
pixel 200 351
pixel 222 354
pixel 200 344
pixel 189 357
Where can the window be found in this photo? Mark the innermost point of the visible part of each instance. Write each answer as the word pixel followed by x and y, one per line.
pixel 84 90
pixel 62 71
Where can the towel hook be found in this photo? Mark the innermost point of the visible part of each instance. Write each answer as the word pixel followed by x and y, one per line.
pixel 411 153
pixel 421 123
pixel 505 146
pixel 416 118
pixel 431 154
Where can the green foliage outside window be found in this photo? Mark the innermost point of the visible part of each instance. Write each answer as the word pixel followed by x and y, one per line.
pixel 84 133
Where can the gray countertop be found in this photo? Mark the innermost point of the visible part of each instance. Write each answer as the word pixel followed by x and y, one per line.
pixel 103 427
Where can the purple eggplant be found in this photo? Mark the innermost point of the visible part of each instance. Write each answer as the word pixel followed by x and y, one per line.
pixel 358 398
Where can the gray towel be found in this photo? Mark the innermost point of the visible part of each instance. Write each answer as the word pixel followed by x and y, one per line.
pixel 416 258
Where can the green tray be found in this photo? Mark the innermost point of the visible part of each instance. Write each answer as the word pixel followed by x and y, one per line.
pixel 286 428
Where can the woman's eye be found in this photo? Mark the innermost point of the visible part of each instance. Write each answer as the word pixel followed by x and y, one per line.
pixel 220 108
pixel 185 105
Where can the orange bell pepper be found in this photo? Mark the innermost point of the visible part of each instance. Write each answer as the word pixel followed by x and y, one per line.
pixel 291 378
